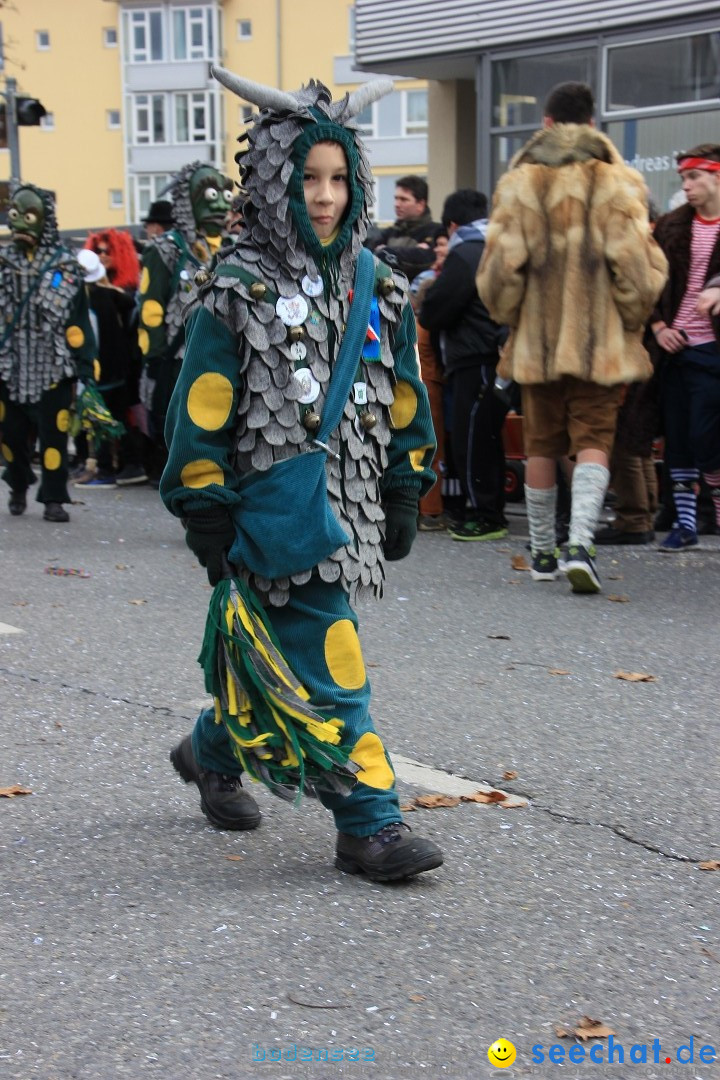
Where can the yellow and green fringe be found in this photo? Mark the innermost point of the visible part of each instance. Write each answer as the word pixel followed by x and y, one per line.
pixel 275 734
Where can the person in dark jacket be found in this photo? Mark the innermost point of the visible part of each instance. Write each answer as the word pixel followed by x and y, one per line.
pixel 409 244
pixel 469 343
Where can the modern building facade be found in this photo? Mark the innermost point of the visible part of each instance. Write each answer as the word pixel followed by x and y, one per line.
pixel 130 99
pixel 654 66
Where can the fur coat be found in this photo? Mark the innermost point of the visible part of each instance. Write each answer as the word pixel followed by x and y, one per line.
pixel 570 264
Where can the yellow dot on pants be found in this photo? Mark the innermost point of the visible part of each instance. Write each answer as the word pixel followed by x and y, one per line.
pixel 152 313
pixel 200 473
pixel 74 337
pixel 144 280
pixel 210 400
pixel 369 753
pixel 404 406
pixel 62 420
pixel 144 341
pixel 96 370
pixel 2 411
pixel 416 457
pixel 7 452
pixel 52 458
pixel 343 655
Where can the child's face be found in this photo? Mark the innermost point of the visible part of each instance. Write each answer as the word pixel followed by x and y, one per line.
pixel 325 181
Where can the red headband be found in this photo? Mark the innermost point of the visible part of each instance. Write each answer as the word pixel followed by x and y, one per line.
pixel 698 163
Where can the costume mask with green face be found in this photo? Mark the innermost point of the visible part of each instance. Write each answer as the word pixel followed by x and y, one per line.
pixel 211 194
pixel 26 218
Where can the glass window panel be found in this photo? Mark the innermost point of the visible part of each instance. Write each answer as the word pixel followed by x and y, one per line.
pixel 520 85
pixel 417 107
pixel 210 39
pixel 365 120
pixel 156 49
pixel 182 133
pixel 179 37
pixel 667 72
pixel 503 148
pixel 138 41
pixel 158 118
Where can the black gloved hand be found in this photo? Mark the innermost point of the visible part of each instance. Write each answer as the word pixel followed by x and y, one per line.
pixel 401 511
pixel 210 534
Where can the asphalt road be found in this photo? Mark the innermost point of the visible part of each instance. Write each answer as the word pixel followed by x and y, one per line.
pixel 137 941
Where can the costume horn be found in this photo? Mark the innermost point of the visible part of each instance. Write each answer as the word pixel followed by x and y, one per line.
pixel 367 94
pixel 265 97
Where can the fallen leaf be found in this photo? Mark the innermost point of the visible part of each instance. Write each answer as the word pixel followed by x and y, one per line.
pixel 15 789
pixel 711 864
pixel 557 671
pixel 485 797
pixel 416 997
pixel 430 802
pixel 618 599
pixel 513 581
pixel 615 577
pixel 510 774
pixel 408 808
pixel 499 637
pixel 58 724
pixel 20 603
pixel 634 676
pixel 234 858
pixel 137 601
pixel 709 953
pixel 519 562
pixel 586 1028
pixel 120 566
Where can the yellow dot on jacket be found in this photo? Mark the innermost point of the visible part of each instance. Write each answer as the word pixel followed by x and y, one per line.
pixel 200 473
pixel 74 337
pixel 152 313
pixel 7 453
pixel 144 341
pixel 404 406
pixel 52 458
pixel 416 457
pixel 369 753
pixel 343 655
pixel 144 280
pixel 210 400
pixel 62 420
pixel 96 370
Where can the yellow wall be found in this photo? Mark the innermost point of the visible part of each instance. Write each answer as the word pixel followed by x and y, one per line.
pixel 77 80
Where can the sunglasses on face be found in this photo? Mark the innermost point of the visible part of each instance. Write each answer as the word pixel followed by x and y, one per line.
pixel 103 251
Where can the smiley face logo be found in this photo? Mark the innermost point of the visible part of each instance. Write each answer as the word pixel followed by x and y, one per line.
pixel 501 1054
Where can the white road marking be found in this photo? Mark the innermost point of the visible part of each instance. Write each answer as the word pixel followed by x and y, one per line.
pixel 5 628
pixel 414 772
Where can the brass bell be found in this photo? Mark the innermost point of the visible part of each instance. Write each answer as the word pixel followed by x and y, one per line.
pixel 386 285
pixel 368 420
pixel 311 421
pixel 202 276
pixel 257 290
pixel 296 333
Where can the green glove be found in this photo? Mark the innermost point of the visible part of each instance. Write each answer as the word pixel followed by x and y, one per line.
pixel 401 511
pixel 210 534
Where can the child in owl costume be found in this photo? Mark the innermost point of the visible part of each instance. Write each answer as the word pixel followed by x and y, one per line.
pixel 269 336
pixel 46 343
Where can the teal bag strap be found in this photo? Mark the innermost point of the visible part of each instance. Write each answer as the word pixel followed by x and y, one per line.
pixel 346 363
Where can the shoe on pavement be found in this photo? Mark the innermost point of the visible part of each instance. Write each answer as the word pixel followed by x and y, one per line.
pixel 431 523
pixel 54 511
pixel 579 567
pixel 98 480
pixel 477 530
pixel 17 503
pixel 678 539
pixel 131 474
pixel 545 566
pixel 611 535
pixel 391 854
pixel 223 801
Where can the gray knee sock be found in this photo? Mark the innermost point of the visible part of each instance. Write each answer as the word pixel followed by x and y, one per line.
pixel 589 485
pixel 540 506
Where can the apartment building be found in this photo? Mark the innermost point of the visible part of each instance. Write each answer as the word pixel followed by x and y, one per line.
pixel 130 100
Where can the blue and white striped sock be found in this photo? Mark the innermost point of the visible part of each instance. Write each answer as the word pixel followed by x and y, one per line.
pixel 684 489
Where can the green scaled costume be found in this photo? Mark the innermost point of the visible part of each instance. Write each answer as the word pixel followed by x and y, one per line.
pixel 47 342
pixel 263 338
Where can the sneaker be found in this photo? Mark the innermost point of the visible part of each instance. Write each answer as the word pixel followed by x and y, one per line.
pixel 99 480
pixel 431 523
pixel 545 566
pixel 477 530
pixel 17 503
pixel 54 511
pixel 223 801
pixel 579 566
pixel 84 476
pixel 131 474
pixel 678 539
pixel 389 855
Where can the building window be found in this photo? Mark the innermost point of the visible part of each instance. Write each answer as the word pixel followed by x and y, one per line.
pixel 148 187
pixel 149 120
pixel 113 119
pixel 110 38
pixel 116 199
pixel 521 84
pixel 192 33
pixel 367 121
pixel 144 36
pixel 194 119
pixel 47 122
pixel 244 29
pixel 351 29
pixel 42 40
pixel 415 112
pixel 670 71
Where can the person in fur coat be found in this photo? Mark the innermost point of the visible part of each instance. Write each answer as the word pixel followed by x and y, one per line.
pixel 571 267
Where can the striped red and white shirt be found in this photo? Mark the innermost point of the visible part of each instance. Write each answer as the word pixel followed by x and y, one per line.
pixel 697 327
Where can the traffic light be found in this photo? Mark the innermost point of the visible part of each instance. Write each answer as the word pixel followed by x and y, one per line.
pixel 29 111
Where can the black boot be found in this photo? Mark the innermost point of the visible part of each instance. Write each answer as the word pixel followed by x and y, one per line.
pixel 17 503
pixel 222 799
pixel 389 855
pixel 55 511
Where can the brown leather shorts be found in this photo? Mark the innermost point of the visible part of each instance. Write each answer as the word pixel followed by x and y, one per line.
pixel 563 417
